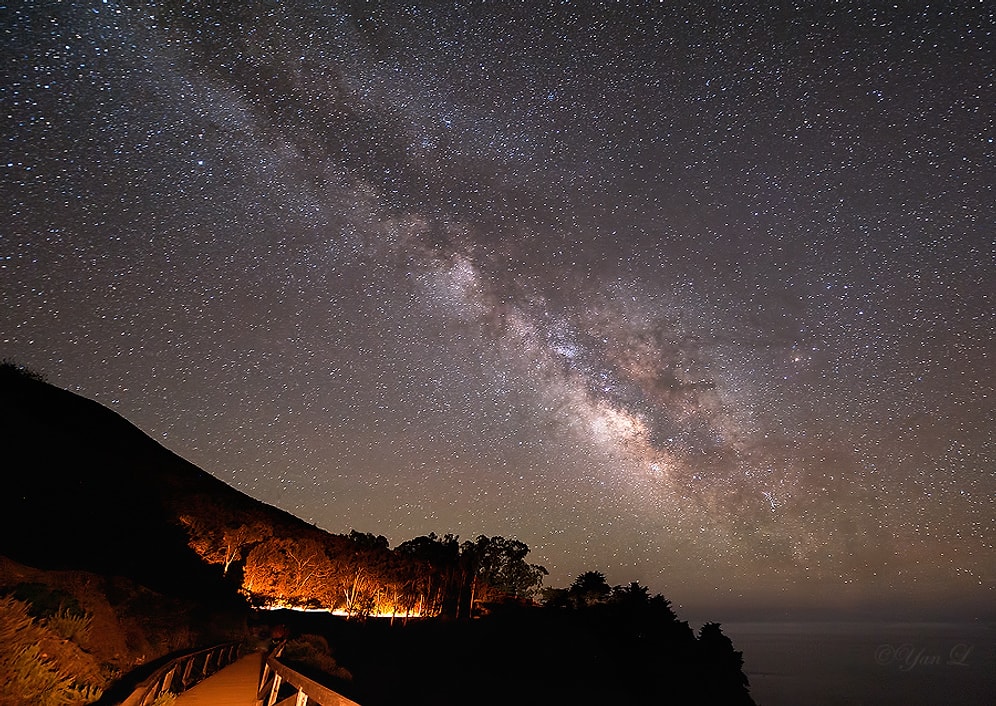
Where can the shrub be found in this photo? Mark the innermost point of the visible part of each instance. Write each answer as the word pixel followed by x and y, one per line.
pixel 44 601
pixel 69 625
pixel 28 674
pixel 313 651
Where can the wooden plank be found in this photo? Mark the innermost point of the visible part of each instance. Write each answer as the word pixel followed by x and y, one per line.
pixel 235 685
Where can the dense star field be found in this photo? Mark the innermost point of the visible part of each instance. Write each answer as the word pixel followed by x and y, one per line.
pixel 700 296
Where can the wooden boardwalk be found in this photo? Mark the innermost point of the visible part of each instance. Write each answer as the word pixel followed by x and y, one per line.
pixel 235 685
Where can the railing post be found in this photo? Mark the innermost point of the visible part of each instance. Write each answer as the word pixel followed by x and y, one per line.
pixel 308 691
pixel 168 680
pixel 273 692
pixel 187 669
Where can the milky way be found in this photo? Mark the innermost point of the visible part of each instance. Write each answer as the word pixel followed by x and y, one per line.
pixel 696 297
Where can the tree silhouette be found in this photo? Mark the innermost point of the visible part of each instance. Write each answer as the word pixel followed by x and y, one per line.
pixel 632 595
pixel 494 568
pixel 13 370
pixel 588 589
pixel 723 679
pixel 432 566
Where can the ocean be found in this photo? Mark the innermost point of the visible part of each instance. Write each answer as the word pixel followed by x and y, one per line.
pixel 873 664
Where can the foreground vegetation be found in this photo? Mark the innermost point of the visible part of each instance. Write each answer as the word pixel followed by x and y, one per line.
pixel 42 660
pixel 73 637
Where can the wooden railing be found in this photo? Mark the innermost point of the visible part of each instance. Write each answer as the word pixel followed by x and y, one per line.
pixel 274 675
pixel 183 672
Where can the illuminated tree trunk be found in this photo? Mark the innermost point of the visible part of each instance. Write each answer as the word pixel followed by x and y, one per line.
pixel 350 594
pixel 473 593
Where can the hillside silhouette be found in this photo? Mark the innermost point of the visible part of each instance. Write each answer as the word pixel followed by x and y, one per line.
pixel 86 489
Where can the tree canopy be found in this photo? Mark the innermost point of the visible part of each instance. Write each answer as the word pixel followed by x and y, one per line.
pixel 359 574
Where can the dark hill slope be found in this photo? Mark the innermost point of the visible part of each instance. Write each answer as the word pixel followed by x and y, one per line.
pixel 85 489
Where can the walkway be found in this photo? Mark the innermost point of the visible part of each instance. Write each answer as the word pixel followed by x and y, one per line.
pixel 235 685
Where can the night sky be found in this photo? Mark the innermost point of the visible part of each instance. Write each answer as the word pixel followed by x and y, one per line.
pixel 696 295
